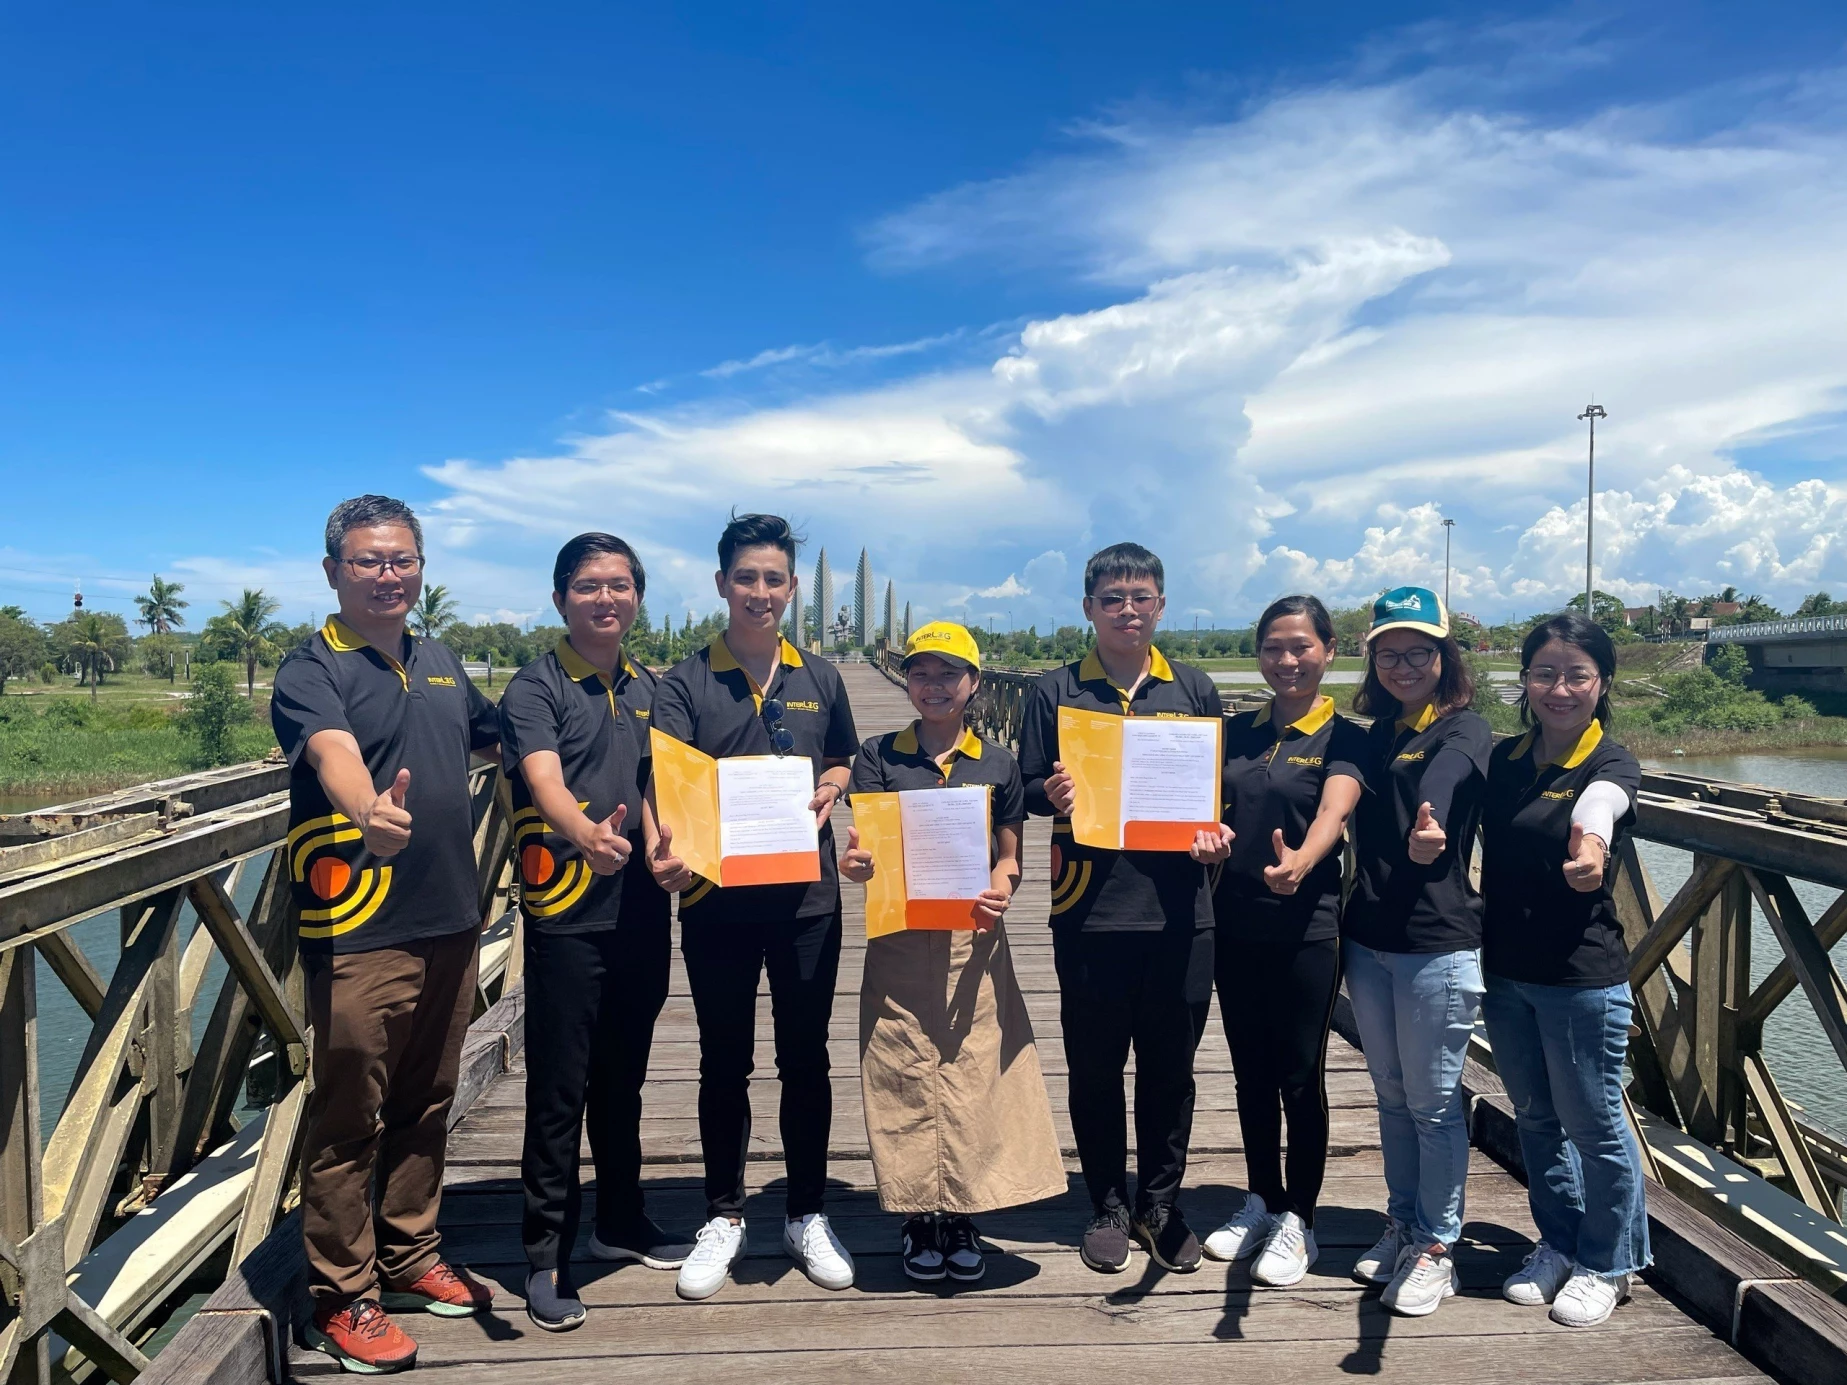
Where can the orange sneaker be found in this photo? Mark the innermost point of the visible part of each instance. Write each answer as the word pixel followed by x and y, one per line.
pixel 362 1337
pixel 444 1291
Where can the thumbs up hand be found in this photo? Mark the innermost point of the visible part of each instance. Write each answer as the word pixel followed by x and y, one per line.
pixel 670 871
pixel 1427 840
pixel 856 862
pixel 386 827
pixel 605 849
pixel 1285 877
pixel 1586 857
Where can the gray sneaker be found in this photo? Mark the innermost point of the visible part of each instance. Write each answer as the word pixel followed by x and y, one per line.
pixel 1378 1265
pixel 1426 1276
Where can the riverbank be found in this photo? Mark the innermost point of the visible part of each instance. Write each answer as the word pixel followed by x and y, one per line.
pixel 55 747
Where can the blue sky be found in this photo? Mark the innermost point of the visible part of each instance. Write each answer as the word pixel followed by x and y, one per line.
pixel 1273 288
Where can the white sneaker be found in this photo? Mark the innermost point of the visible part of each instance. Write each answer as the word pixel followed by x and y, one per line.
pixel 1537 1282
pixel 1426 1276
pixel 1244 1234
pixel 1378 1265
pixel 1588 1298
pixel 811 1243
pixel 1287 1255
pixel 721 1245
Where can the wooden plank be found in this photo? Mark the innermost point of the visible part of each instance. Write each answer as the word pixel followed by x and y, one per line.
pixel 1796 1331
pixel 1830 928
pixel 1786 1138
pixel 215 1349
pixel 245 958
pixel 70 966
pixel 1821 983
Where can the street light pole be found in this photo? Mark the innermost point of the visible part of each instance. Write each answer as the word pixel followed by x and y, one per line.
pixel 1592 412
pixel 1448 525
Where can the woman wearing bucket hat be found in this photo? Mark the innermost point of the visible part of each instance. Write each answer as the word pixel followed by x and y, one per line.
pixel 1411 935
pixel 956 1110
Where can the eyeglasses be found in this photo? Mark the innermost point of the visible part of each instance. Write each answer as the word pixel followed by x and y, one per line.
pixel 782 740
pixel 1576 679
pixel 619 586
pixel 406 565
pixel 1141 602
pixel 1419 657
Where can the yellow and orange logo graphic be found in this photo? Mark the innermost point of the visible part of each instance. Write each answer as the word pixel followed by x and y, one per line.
pixel 548 887
pixel 335 897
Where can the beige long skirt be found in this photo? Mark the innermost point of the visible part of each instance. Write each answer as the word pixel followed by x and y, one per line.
pixel 956 1110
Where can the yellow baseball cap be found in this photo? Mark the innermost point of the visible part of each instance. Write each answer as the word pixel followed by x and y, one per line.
pixel 946 640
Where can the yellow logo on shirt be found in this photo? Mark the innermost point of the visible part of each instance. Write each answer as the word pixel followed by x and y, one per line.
pixel 803 706
pixel 1558 793
pixel 1412 755
pixel 641 711
pixel 1304 759
pixel 441 680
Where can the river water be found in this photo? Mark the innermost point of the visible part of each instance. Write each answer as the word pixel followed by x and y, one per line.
pixel 1800 1055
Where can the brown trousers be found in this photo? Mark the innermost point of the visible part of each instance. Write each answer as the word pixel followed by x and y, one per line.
pixel 388 1031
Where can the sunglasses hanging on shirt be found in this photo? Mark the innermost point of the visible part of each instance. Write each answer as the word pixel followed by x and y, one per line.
pixel 782 740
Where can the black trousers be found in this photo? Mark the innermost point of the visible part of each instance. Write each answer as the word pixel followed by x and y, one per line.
pixel 1276 999
pixel 724 959
pixel 591 1003
pixel 1146 990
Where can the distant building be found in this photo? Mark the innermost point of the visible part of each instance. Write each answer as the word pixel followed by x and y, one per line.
pixel 888 629
pixel 823 600
pixel 798 635
pixel 907 622
pixel 1633 614
pixel 863 600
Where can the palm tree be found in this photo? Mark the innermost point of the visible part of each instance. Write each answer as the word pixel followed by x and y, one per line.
pixel 433 613
pixel 246 631
pixel 90 639
pixel 161 607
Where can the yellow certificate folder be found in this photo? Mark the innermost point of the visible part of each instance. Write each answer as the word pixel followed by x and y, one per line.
pixel 1141 801
pixel 890 908
pixel 686 793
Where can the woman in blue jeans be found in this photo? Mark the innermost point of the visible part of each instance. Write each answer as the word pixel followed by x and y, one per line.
pixel 1558 1001
pixel 1411 933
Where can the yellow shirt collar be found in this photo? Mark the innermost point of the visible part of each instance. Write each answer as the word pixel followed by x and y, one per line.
pixel 906 743
pixel 1591 738
pixel 1425 719
pixel 1308 723
pixel 724 661
pixel 343 639
pixel 577 667
pixel 1091 670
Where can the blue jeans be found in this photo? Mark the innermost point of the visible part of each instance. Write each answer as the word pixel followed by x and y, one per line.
pixel 1415 1012
pixel 1559 1050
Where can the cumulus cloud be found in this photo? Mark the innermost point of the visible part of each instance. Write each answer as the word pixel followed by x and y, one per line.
pixel 1335 318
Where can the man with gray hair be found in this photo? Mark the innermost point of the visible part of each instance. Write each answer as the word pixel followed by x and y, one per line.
pixel 378 727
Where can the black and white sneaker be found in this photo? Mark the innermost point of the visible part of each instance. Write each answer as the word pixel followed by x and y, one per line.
pixel 644 1241
pixel 961 1244
pixel 918 1246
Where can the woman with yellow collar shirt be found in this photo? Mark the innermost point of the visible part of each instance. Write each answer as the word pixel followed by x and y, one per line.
pixel 1292 777
pixel 956 1110
pixel 1558 1004
pixel 1411 934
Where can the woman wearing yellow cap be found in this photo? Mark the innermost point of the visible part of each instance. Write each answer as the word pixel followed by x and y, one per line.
pixel 956 1110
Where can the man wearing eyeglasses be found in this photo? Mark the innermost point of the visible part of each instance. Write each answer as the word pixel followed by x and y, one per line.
pixel 598 933
pixel 378 728
pixel 751 692
pixel 1132 931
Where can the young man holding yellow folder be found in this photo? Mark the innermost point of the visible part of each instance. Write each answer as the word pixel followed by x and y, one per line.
pixel 751 692
pixel 956 1112
pixel 1131 930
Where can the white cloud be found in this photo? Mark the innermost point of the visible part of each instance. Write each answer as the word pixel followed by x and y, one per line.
pixel 1349 312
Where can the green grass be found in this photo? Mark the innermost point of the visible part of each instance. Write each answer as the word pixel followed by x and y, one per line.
pixel 59 742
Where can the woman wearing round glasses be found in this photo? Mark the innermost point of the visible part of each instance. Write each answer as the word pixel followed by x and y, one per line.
pixel 1411 933
pixel 1558 1002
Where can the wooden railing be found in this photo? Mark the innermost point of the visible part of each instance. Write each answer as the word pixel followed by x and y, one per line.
pixel 146 1178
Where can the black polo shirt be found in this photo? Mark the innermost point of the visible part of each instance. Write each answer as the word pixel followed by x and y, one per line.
pixel 1396 905
pixel 712 704
pixel 1095 889
pixel 1535 927
pixel 415 710
pixel 562 703
pixel 895 762
pixel 1273 779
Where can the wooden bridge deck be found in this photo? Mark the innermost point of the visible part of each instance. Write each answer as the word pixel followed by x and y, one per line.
pixel 1040 1315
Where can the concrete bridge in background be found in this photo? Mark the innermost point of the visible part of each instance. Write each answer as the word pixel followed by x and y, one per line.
pixel 1805 655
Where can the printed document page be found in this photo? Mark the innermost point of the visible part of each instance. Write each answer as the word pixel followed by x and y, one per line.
pixel 945 842
pixel 1170 770
pixel 763 805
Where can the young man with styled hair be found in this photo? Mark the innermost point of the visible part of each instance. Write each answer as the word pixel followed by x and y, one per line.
pixel 378 727
pixel 597 934
pixel 1132 933
pixel 751 692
